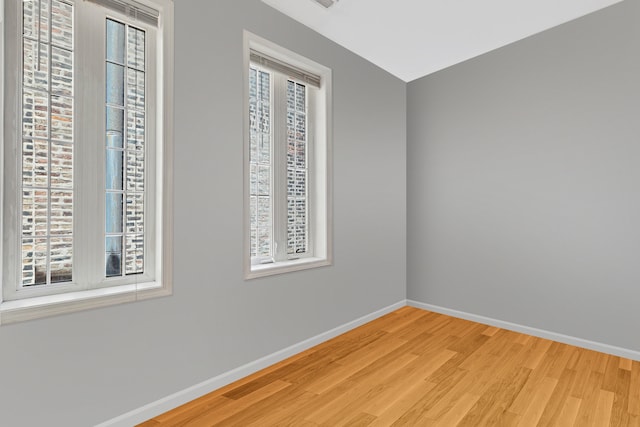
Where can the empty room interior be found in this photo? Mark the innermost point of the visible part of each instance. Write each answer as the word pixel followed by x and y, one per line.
pixel 448 232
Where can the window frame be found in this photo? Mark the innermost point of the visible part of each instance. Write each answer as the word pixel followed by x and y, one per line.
pixel 87 290
pixel 319 166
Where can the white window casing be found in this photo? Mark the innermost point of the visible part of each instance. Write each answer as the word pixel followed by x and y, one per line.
pixel 299 92
pixel 89 286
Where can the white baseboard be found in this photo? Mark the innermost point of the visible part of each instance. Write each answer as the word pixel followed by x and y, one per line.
pixel 566 339
pixel 170 402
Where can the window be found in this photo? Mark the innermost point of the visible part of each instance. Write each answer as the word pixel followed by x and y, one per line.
pixel 287 154
pixel 87 175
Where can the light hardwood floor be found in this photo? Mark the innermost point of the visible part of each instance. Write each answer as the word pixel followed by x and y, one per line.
pixel 417 368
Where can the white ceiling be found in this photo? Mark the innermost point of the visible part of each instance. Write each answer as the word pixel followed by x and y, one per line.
pixel 413 38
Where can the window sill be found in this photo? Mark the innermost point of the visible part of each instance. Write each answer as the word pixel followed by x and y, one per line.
pixel 51 305
pixel 262 270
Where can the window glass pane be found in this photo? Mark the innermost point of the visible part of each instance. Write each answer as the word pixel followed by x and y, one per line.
pixel 34 261
pixel 291 134
pixel 113 263
pixel 35 58
pixel 254 242
pixel 62 118
pixel 301 98
pixel 61 71
pixel 28 262
pixel 135 213
pixel 35 19
pixel 253 179
pixel 113 244
pixel 115 127
pixel 61 165
pixel 35 218
pixel 264 180
pixel 35 113
pixel 113 256
pixel 135 171
pixel 135 89
pixel 265 148
pixel 115 84
pixel 291 95
pixel 115 41
pixel 135 130
pixel 264 226
pixel 61 204
pixel 253 114
pixel 113 223
pixel 61 257
pixel 136 48
pixel 62 23
pixel 134 254
pixel 253 214
pixel 114 169
pixel 35 163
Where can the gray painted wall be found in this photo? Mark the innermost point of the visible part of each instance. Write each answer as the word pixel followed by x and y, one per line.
pixel 85 368
pixel 524 181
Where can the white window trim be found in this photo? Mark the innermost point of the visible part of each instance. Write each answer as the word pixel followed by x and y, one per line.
pixel 42 306
pixel 320 190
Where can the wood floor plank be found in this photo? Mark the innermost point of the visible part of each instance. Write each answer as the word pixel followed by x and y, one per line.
pixel 272 406
pixel 619 413
pixel 561 361
pixel 457 412
pixel 583 369
pixel 278 411
pixel 602 361
pixel 603 409
pixel 558 399
pixel 344 368
pixel 308 365
pixel 539 400
pixel 524 339
pixel 575 356
pixel 626 364
pixel 490 331
pixel 417 414
pixel 587 412
pixel 533 385
pixel 417 368
pixel 394 389
pixel 361 420
pixel 487 371
pixel 354 391
pixel 539 350
pixel 569 412
pixel 407 320
pixel 342 372
pixel 393 412
pixel 423 325
pixel 495 400
pixel 220 414
pixel 610 378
